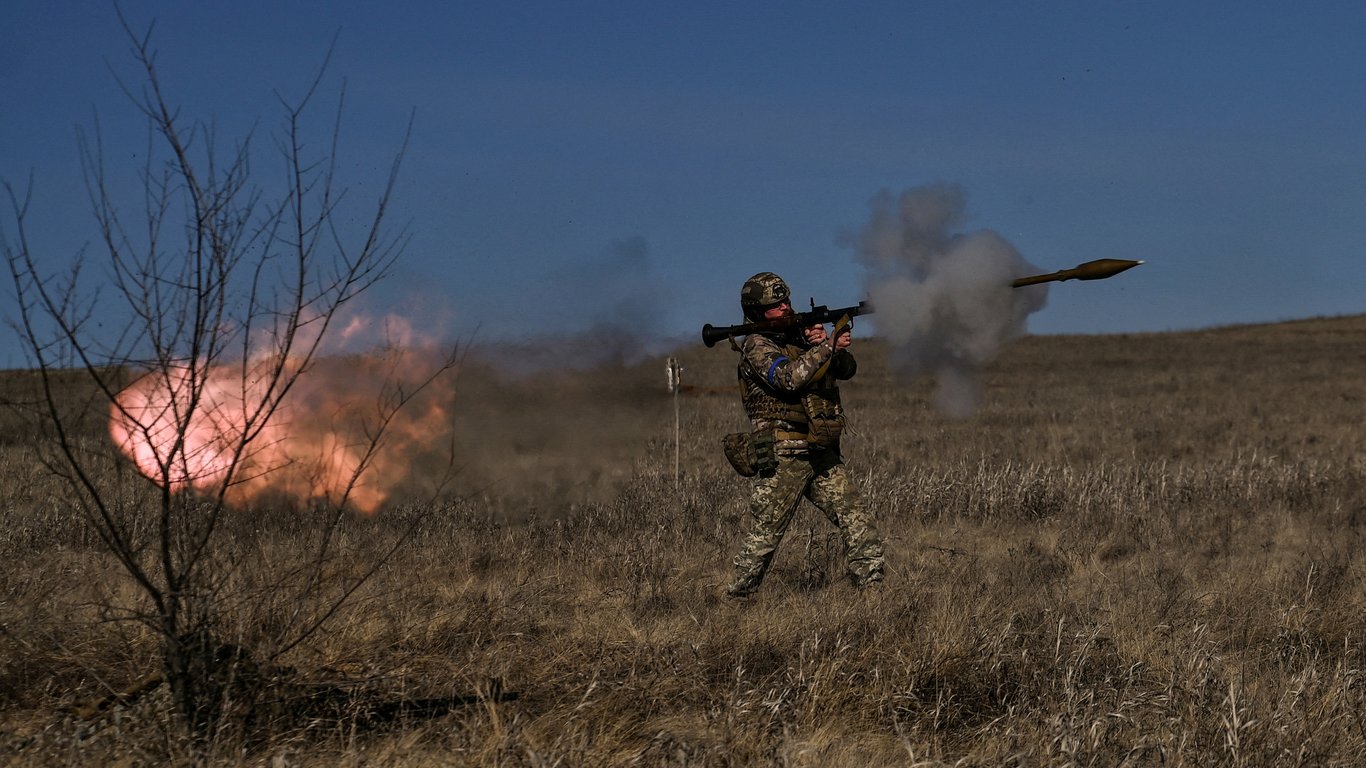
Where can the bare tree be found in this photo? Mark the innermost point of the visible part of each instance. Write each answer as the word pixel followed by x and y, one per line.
pixel 214 272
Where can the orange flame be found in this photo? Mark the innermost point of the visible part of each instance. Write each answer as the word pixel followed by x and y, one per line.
pixel 202 428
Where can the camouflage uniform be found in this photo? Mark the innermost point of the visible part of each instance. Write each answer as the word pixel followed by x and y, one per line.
pixel 790 388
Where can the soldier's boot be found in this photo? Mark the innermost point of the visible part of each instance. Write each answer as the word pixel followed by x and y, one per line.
pixel 866 574
pixel 750 566
pixel 869 585
pixel 743 587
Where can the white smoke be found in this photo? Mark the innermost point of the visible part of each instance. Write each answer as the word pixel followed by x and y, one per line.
pixel 943 298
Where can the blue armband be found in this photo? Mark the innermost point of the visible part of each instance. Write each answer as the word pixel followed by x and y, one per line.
pixel 773 368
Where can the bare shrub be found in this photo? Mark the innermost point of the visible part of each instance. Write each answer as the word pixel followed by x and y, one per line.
pixel 224 290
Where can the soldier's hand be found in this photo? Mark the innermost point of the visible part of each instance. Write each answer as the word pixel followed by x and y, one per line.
pixel 845 338
pixel 814 334
pixel 843 333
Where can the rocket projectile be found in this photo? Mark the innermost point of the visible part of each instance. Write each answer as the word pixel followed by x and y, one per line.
pixel 1091 270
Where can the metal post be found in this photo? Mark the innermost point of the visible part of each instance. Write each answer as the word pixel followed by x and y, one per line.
pixel 675 384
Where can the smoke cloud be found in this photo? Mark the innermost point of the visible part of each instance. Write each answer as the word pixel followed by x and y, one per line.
pixel 607 310
pixel 943 297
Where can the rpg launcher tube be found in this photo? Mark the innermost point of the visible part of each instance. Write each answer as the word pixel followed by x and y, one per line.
pixel 818 315
pixel 1091 270
pixel 711 334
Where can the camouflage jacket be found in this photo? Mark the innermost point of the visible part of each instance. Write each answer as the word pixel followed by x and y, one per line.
pixel 780 390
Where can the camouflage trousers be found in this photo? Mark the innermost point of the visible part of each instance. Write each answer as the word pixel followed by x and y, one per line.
pixel 823 479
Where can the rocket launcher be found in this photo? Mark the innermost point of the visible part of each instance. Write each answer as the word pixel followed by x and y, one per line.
pixel 817 315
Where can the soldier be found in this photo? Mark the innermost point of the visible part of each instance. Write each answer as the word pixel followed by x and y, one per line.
pixel 790 391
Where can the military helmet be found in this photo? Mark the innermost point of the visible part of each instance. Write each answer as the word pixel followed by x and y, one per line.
pixel 762 291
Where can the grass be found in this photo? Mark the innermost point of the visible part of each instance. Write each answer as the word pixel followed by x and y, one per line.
pixel 1142 550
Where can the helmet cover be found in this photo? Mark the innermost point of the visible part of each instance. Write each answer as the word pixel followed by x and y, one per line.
pixel 762 291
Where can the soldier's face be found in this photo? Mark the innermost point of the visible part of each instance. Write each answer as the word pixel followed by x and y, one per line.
pixel 780 310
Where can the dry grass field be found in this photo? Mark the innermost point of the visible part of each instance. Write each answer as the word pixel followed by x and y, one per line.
pixel 1142 550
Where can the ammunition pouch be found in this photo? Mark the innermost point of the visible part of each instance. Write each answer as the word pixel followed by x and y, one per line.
pixel 825 418
pixel 751 453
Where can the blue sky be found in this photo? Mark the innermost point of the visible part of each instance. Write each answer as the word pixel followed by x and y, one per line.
pixel 585 165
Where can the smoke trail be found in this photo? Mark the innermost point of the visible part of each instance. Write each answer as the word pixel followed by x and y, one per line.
pixel 943 298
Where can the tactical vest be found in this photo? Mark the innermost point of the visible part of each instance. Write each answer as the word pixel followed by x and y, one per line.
pixel 813 414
